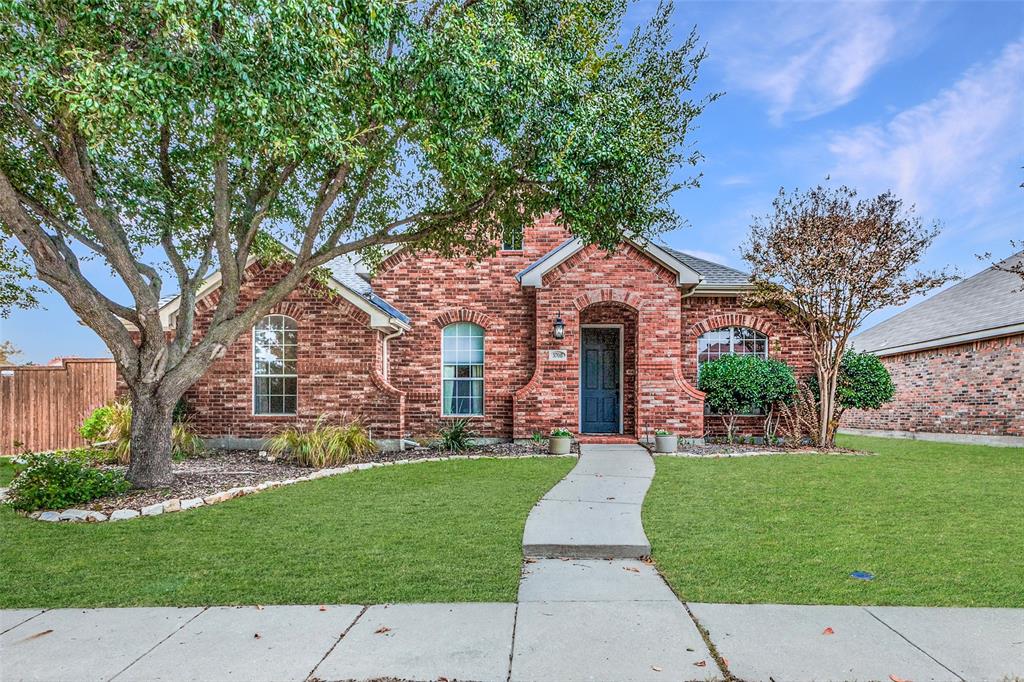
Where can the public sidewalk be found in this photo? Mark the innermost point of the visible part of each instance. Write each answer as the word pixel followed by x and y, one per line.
pixel 580 616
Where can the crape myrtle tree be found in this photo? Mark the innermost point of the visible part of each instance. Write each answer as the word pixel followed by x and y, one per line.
pixel 826 260
pixel 170 139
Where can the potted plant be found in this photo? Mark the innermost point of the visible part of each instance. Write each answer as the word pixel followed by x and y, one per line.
pixel 665 441
pixel 559 442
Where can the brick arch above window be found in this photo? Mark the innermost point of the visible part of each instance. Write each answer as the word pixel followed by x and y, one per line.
pixel 292 309
pixel 623 296
pixel 730 320
pixel 464 315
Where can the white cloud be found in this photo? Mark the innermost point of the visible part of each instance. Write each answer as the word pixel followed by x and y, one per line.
pixel 736 180
pixel 806 59
pixel 963 147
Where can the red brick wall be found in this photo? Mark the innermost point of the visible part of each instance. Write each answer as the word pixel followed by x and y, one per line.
pixel 338 366
pixel 436 291
pixel 340 357
pixel 973 388
pixel 635 282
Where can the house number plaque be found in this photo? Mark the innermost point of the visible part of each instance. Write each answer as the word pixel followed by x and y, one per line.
pixel 558 355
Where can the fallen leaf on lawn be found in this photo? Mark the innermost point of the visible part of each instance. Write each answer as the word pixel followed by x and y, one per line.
pixel 37 635
pixel 895 678
pixel 323 608
pixel 828 631
pixel 655 668
pixel 256 636
pixel 381 630
pixel 631 569
pixel 701 664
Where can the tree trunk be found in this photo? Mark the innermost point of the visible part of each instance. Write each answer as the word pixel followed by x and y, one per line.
pixel 827 396
pixel 150 465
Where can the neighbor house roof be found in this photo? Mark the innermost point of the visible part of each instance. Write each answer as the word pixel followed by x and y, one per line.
pixel 701 275
pixel 984 306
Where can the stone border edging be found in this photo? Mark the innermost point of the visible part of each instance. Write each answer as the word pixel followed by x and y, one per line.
pixel 177 504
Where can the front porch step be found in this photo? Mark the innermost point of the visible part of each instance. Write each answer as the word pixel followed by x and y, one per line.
pixel 605 439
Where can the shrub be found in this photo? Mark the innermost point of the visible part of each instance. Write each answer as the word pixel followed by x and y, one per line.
pixel 324 444
pixel 455 436
pixel 113 422
pixel 741 383
pixel 94 428
pixel 864 382
pixel 50 481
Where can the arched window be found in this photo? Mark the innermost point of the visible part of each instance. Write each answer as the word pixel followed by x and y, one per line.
pixel 731 341
pixel 462 370
pixel 275 378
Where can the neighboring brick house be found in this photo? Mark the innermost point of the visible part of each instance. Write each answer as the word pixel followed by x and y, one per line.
pixel 957 360
pixel 427 339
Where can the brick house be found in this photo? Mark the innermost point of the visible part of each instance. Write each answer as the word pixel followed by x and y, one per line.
pixel 427 339
pixel 957 360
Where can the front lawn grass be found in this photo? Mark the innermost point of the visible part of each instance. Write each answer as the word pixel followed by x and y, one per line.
pixel 429 532
pixel 7 471
pixel 937 524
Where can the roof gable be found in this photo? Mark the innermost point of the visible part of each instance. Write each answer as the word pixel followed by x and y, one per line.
pixel 344 280
pixel 699 274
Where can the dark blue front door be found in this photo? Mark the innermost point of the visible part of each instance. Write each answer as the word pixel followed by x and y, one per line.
pixel 599 380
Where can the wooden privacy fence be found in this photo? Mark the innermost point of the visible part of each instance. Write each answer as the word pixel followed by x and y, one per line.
pixel 41 407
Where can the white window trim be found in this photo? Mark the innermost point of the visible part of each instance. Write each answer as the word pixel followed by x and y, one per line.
pixel 253 375
pixel 622 378
pixel 483 379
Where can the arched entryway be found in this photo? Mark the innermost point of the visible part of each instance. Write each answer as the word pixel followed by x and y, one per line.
pixel 608 369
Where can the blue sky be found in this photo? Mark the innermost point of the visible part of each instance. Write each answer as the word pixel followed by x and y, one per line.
pixel 926 99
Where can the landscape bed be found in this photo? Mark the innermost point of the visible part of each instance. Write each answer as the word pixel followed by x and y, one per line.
pixel 935 524
pixel 220 475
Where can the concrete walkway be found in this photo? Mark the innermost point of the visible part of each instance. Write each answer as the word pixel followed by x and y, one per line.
pixel 594 512
pixel 612 620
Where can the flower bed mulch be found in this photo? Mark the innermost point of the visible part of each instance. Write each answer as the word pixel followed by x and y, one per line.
pixel 224 469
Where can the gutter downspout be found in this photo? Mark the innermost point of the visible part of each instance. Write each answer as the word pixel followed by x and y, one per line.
pixel 386 367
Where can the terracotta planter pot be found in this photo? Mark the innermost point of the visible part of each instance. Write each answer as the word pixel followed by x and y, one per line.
pixel 559 445
pixel 666 444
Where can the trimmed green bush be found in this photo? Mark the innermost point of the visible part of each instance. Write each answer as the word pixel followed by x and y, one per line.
pixel 864 382
pixel 49 481
pixel 734 384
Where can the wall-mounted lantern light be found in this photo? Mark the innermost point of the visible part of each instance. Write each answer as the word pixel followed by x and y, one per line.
pixel 559 327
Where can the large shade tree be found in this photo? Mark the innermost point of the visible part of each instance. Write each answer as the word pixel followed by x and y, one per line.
pixel 827 259
pixel 170 139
